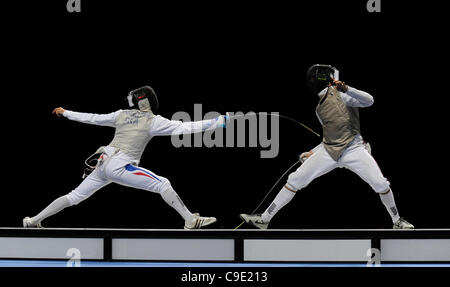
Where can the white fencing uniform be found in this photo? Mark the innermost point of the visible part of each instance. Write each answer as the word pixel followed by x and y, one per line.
pixel 118 168
pixel 342 146
pixel 355 158
pixel 119 161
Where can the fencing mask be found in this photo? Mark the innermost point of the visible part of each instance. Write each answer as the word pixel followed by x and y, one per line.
pixel 319 76
pixel 144 99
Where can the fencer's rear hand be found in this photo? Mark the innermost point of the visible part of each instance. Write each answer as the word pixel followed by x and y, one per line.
pixel 58 111
pixel 304 156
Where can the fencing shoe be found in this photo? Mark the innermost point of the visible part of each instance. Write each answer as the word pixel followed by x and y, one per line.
pixel 27 223
pixel 403 224
pixel 198 222
pixel 255 220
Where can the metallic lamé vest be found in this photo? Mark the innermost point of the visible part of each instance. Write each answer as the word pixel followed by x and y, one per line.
pixel 340 123
pixel 132 132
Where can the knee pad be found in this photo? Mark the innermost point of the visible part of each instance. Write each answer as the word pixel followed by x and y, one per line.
pixel 297 179
pixel 381 186
pixel 163 185
pixel 74 198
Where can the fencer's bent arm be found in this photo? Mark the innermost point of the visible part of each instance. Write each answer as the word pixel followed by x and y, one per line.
pixel 356 98
pixel 162 127
pixel 93 119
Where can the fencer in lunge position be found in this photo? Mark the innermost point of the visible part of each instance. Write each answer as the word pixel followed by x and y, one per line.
pixel 342 146
pixel 119 161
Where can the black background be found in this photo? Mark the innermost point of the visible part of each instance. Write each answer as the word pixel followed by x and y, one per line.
pixel 228 56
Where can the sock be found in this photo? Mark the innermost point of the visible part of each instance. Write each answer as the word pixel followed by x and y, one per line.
pixel 56 206
pixel 172 199
pixel 388 201
pixel 282 198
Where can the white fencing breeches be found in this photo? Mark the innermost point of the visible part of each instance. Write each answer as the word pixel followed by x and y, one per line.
pixel 355 158
pixel 118 170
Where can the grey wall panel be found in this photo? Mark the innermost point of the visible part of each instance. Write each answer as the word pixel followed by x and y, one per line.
pixel 50 248
pixel 173 249
pixel 305 250
pixel 415 249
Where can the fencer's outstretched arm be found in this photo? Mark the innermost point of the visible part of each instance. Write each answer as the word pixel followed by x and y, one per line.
pixel 161 126
pixel 356 98
pixel 93 119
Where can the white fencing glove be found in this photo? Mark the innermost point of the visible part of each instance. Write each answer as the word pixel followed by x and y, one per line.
pixel 222 120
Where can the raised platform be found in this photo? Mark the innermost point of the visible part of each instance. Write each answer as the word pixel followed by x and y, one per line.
pixel 243 246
